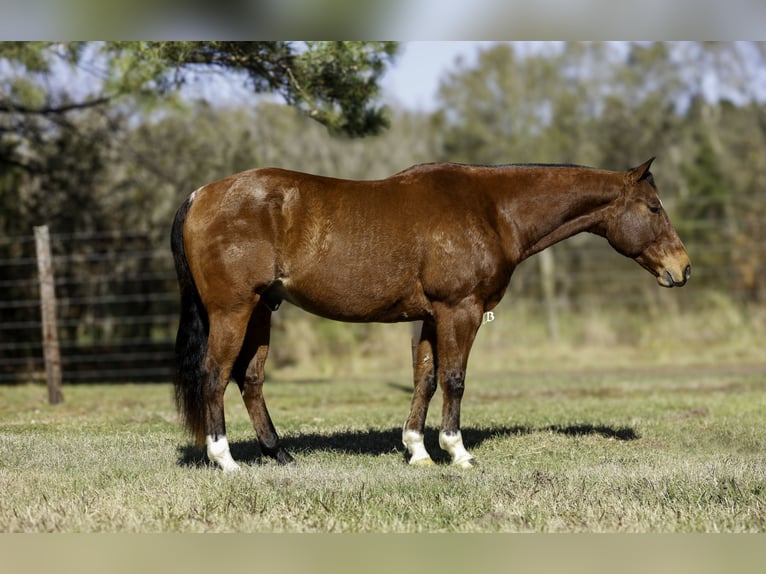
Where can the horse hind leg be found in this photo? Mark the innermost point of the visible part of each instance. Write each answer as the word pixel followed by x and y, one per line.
pixel 249 372
pixel 226 333
pixel 424 366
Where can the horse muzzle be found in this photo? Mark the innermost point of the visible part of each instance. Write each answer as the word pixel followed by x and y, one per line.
pixel 675 277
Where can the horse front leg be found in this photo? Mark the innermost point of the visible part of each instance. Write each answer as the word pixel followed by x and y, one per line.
pixel 424 368
pixel 450 438
pixel 456 331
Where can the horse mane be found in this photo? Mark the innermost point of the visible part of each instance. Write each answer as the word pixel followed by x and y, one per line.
pixel 535 164
pixel 491 165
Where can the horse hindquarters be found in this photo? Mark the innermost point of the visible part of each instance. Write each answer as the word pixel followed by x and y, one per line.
pixel 207 344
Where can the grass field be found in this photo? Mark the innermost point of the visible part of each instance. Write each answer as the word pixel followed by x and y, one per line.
pixel 661 450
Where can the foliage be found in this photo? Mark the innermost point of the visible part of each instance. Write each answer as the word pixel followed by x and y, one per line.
pixel 52 95
pixel 335 83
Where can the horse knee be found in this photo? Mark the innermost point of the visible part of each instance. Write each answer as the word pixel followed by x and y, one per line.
pixel 454 384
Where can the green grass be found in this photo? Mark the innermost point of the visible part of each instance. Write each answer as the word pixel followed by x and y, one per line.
pixel 643 451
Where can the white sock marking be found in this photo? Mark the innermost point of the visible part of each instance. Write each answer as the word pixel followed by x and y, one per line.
pixel 218 452
pixel 413 441
pixel 453 444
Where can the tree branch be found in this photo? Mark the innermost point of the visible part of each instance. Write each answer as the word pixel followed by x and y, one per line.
pixel 19 108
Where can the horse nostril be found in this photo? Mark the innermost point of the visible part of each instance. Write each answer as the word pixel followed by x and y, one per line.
pixel 687 272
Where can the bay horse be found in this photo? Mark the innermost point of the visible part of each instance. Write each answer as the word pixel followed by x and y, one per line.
pixel 435 243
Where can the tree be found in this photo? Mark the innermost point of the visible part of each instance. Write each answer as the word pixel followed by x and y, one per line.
pixel 48 88
pixel 335 83
pixel 53 94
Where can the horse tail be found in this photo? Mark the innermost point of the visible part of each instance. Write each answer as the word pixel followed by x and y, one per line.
pixel 191 340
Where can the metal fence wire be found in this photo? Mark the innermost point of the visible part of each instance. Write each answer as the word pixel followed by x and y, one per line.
pixel 116 300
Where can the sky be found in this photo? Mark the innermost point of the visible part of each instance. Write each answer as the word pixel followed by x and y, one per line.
pixel 413 80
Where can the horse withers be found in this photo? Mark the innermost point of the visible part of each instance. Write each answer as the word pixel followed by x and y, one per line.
pixel 435 243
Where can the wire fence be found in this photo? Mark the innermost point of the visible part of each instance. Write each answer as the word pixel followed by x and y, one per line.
pixel 117 298
pixel 116 302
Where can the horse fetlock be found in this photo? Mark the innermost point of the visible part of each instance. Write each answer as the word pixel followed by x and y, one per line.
pixel 415 445
pixel 219 453
pixel 452 442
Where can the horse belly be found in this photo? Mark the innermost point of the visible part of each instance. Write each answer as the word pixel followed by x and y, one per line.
pixel 357 298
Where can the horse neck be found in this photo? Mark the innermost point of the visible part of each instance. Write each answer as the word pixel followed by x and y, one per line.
pixel 555 203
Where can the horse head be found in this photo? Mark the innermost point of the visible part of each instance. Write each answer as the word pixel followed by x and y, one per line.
pixel 638 227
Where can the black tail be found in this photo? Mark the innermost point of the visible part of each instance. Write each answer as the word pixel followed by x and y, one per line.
pixel 191 341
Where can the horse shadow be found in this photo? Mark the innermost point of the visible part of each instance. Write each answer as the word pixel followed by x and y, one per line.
pixel 379 442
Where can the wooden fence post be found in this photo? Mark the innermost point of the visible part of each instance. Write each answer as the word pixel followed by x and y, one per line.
pixel 51 350
pixel 548 279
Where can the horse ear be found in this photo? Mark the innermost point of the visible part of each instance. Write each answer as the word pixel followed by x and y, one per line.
pixel 636 174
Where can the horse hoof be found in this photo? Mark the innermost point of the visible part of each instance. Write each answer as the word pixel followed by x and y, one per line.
pixel 230 467
pixel 283 458
pixel 279 454
pixel 465 463
pixel 422 462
